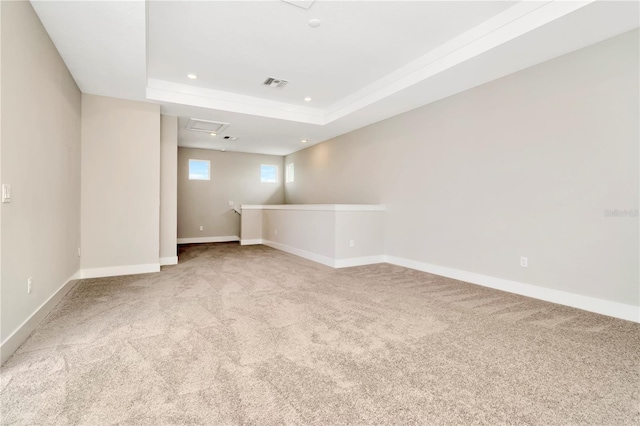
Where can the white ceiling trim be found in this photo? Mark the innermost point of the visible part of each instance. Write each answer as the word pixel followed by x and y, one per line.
pixel 167 91
pixel 504 27
pixel 103 44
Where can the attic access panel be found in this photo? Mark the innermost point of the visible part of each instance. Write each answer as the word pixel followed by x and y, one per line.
pixel 206 126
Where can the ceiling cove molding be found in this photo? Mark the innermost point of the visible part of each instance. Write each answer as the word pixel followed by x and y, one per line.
pixel 167 91
pixel 525 16
pixel 513 22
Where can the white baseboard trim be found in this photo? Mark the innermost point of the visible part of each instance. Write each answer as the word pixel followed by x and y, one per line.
pixel 114 271
pixel 302 253
pixel 586 303
pixel 251 242
pixel 358 261
pixel 591 304
pixel 168 260
pixel 334 263
pixel 15 339
pixel 208 239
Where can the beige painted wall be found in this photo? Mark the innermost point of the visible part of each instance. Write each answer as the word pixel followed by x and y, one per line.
pixel 251 226
pixel 364 228
pixel 234 177
pixel 1 176
pixel 311 231
pixel 120 182
pixel 41 161
pixel 523 166
pixel 168 186
pixel 324 232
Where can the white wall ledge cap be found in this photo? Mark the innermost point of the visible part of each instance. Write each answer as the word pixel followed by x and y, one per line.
pixel 319 207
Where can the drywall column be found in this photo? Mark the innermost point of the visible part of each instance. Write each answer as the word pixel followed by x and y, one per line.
pixel 168 190
pixel 120 186
pixel 40 232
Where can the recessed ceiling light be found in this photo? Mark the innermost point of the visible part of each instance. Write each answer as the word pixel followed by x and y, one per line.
pixel 304 141
pixel 314 23
pixel 307 99
pixel 213 134
pixel 192 76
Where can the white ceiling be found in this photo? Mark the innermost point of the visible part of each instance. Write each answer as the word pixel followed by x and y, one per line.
pixel 367 61
pixel 235 46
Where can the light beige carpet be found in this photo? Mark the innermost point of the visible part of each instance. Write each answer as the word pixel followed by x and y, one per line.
pixel 250 335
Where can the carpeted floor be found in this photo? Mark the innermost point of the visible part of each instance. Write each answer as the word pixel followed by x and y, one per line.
pixel 251 335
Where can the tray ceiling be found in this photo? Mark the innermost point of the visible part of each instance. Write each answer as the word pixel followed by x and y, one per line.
pixel 359 61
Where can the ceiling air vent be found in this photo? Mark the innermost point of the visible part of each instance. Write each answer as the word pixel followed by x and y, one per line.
pixel 206 126
pixel 275 82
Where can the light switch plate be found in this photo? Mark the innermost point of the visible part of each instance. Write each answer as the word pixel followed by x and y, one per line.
pixel 6 193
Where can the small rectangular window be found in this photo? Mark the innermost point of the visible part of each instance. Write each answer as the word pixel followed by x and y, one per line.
pixel 199 170
pixel 289 173
pixel 268 173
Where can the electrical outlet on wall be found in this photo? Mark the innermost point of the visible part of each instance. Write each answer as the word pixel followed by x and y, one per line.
pixel 29 282
pixel 352 243
pixel 230 203
pixel 524 262
pixel 201 228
